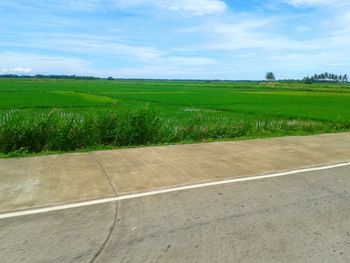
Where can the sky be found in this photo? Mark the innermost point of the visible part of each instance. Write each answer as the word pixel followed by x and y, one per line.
pixel 178 39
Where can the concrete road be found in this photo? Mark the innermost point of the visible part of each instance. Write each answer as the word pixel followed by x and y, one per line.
pixel 59 179
pixel 294 218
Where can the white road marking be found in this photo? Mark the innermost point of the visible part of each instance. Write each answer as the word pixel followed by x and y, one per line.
pixel 167 190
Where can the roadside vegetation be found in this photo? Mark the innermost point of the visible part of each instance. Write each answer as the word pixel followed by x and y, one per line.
pixel 41 115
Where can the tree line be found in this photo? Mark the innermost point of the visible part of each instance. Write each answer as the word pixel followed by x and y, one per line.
pixel 317 78
pixel 326 77
pixel 40 76
pixel 269 76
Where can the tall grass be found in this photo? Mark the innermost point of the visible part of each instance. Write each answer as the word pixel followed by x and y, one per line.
pixel 34 131
pixel 57 130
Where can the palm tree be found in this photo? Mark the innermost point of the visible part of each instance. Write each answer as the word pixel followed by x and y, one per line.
pixel 326 75
pixel 345 78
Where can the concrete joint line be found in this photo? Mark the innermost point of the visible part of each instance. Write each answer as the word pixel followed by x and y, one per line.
pixel 166 190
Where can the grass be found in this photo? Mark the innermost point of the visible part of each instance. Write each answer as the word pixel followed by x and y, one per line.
pixel 44 115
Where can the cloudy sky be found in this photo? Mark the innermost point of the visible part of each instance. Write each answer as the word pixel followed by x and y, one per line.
pixel 199 39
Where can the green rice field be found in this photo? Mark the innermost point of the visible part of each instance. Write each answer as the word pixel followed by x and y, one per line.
pixel 51 115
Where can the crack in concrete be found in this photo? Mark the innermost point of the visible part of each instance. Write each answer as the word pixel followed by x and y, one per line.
pixel 117 206
pixel 105 173
pixel 111 229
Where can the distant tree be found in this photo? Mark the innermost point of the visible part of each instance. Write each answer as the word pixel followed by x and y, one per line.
pixel 308 80
pixel 270 76
pixel 345 78
pixel 110 78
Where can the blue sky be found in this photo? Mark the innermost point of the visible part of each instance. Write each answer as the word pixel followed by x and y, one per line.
pixel 199 39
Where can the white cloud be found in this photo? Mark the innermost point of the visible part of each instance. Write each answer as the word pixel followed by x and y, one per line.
pixel 188 61
pixel 32 63
pixel 163 71
pixel 22 70
pixel 194 7
pixel 166 67
pixel 16 70
pixel 317 2
pixel 242 34
pixel 86 44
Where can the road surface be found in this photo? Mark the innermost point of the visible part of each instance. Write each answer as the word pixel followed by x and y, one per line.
pixel 69 178
pixel 302 217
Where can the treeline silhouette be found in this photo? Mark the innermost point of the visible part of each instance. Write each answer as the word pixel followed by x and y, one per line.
pixel 317 78
pixel 40 76
pixel 326 77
